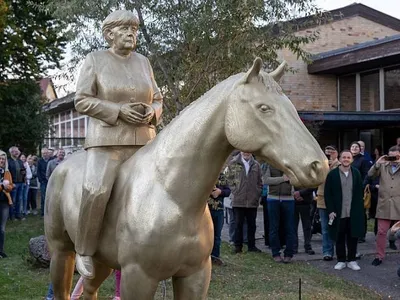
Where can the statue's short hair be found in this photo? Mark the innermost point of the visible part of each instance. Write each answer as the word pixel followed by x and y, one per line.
pixel 118 18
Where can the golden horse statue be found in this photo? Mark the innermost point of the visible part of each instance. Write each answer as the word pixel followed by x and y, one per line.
pixel 157 224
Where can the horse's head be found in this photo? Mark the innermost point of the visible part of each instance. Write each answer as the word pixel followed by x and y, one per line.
pixel 262 120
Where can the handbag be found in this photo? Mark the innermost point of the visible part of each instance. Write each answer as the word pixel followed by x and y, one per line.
pixel 367 197
pixel 316 223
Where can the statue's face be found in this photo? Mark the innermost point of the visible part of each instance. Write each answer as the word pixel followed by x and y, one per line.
pixel 123 37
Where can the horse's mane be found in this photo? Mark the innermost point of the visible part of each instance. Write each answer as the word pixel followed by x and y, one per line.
pixel 220 92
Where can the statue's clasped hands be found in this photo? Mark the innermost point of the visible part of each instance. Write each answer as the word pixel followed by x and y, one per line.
pixel 136 113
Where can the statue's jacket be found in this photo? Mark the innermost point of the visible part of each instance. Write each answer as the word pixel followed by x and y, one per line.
pixel 107 81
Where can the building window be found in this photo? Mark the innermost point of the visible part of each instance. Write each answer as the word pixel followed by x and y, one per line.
pixel 347 93
pixel 392 88
pixel 369 91
pixel 68 129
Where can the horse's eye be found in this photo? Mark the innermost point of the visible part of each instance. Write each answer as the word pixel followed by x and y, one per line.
pixel 265 108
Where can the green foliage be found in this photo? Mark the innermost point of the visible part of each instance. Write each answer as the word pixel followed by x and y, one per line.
pixel 195 44
pixel 32 40
pixel 3 14
pixel 22 121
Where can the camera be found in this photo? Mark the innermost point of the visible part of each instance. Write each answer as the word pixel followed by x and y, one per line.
pixel 391 158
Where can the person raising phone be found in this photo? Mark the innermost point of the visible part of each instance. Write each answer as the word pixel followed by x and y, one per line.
pixel 388 208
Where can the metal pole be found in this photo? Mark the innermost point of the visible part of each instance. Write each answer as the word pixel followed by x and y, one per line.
pixel 299 288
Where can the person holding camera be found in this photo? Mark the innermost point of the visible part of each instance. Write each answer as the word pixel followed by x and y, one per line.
pixel 6 186
pixel 388 208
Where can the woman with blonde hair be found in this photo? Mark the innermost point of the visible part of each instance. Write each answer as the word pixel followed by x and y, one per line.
pixel 6 187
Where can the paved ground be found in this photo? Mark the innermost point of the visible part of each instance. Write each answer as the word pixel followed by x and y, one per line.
pixel 382 279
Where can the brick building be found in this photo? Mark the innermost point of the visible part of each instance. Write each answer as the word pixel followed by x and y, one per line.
pixel 353 81
pixel 351 85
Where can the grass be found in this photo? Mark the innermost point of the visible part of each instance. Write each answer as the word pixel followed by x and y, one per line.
pixel 246 276
pixel 370 225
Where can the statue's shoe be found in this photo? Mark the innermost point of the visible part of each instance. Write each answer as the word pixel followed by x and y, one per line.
pixel 84 265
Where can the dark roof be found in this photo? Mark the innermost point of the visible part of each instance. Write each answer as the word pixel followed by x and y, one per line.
pixel 359 46
pixel 359 119
pixel 365 56
pixel 355 9
pixel 60 104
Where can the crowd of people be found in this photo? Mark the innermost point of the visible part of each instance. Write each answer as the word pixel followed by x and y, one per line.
pixel 338 206
pixel 21 176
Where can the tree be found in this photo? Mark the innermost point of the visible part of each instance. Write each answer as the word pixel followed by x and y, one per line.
pixel 22 121
pixel 32 39
pixel 195 44
pixel 3 13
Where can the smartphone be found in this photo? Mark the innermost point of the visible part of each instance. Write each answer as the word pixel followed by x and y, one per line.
pixel 391 158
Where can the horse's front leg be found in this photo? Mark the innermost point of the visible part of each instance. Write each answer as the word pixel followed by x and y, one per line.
pixel 195 286
pixel 61 273
pixel 136 284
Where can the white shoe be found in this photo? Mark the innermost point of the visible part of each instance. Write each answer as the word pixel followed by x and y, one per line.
pixel 340 266
pixel 353 265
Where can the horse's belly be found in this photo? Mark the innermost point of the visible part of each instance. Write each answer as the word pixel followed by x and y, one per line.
pixel 169 245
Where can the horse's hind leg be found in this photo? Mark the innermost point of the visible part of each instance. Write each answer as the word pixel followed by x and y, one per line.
pixel 91 286
pixel 194 286
pixel 136 284
pixel 61 271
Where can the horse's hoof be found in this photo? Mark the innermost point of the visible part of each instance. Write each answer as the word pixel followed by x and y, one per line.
pixel 84 265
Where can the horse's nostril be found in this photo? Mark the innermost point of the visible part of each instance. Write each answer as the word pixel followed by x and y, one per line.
pixel 316 168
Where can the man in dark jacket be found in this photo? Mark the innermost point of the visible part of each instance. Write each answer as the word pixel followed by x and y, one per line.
pixel 345 207
pixel 41 174
pixel 244 175
pixel 303 199
pixel 18 172
pixel 359 161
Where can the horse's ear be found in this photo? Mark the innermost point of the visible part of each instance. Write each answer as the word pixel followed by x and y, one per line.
pixel 278 73
pixel 255 70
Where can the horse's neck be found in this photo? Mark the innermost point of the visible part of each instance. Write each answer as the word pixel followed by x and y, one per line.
pixel 192 152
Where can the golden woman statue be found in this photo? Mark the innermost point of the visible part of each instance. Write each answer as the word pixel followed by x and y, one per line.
pixel 116 88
